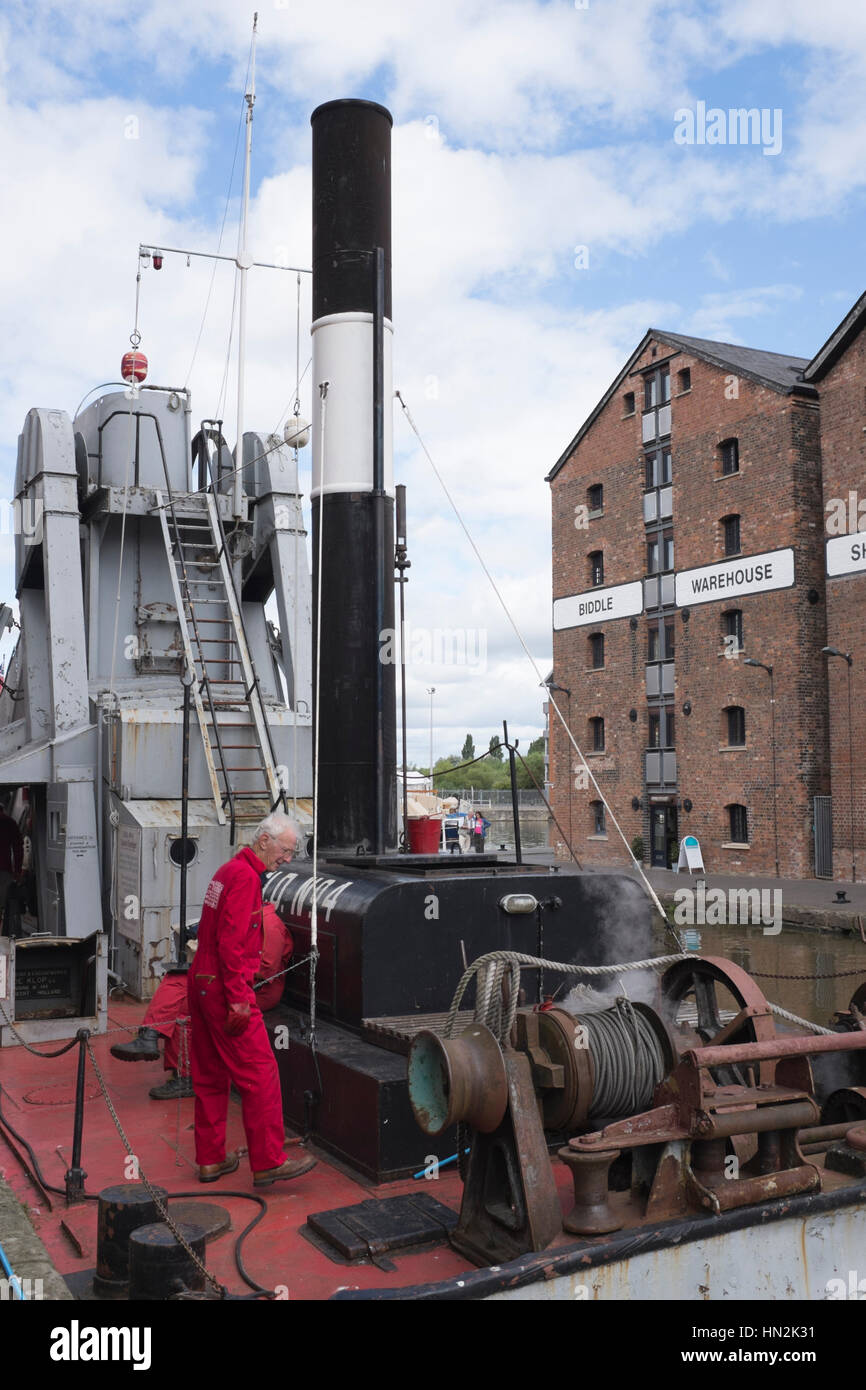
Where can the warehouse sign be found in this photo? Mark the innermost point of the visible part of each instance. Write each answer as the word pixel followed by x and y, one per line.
pixel 846 554
pixel 598 606
pixel 756 574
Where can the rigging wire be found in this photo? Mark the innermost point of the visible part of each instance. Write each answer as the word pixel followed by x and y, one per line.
pixel 650 890
pixel 314 906
pixel 223 223
pixel 218 413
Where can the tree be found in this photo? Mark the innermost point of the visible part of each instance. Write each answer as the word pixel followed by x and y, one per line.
pixel 535 764
pixel 537 745
pixel 496 752
pixel 467 752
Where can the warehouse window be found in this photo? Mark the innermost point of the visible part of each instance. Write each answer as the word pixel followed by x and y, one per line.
pixel 628 402
pixel 732 629
pixel 596 651
pixel 596 733
pixel 736 722
pixel 729 450
pixel 739 824
pixel 596 567
pixel 684 378
pixel 599 825
pixel 658 468
pixel 595 499
pixel 731 528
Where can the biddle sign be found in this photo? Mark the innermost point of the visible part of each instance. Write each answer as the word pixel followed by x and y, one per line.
pixel 598 605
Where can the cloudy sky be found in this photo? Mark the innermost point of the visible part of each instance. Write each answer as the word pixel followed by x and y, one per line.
pixel 544 216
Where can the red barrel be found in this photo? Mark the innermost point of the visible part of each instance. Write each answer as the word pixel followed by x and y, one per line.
pixel 425 833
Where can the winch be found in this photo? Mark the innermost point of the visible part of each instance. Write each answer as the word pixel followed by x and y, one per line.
pixel 685 1106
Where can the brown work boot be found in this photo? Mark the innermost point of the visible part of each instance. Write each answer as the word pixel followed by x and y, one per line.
pixel 292 1168
pixel 209 1172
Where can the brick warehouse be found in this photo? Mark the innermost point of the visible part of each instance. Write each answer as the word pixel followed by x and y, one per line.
pixel 839 372
pixel 689 542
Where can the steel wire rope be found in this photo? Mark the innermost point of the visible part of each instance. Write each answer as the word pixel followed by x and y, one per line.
pixel 649 888
pixel 627 1057
pixel 314 904
pixel 223 223
pixel 296 410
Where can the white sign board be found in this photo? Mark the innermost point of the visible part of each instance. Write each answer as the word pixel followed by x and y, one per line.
pixel 755 574
pixel 846 554
pixel 598 606
pixel 690 855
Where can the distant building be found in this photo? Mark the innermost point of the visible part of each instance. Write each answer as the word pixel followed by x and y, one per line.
pixel 689 535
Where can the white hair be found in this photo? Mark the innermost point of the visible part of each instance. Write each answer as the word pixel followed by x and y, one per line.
pixel 276 824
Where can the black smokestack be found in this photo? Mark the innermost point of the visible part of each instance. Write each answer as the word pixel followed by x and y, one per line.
pixel 353 490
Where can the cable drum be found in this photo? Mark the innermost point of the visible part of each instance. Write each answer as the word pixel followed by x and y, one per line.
pixel 628 1058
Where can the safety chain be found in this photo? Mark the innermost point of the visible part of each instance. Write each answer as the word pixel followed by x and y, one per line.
pixel 837 975
pixel 161 1208
pixel 35 1050
pixel 184 1073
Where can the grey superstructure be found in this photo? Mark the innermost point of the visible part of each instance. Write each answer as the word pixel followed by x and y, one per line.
pixel 131 567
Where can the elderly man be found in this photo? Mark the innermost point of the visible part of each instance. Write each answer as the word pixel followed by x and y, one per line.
pixel 229 1040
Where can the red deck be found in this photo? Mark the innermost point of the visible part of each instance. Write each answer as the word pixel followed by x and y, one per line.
pixel 38 1102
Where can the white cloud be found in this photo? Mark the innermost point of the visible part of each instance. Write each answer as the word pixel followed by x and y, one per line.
pixel 555 130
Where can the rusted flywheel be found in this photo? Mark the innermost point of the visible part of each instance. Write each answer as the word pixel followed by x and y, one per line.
pixel 701 980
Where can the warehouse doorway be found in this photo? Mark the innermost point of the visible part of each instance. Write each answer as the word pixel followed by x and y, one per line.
pixel 664 843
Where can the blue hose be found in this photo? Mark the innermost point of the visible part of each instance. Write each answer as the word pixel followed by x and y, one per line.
pixel 16 1287
pixel 441 1164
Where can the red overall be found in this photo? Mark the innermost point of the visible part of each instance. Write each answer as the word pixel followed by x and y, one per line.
pixel 167 1013
pixel 227 959
pixel 168 1010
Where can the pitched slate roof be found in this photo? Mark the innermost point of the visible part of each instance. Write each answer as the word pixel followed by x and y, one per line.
pixel 837 342
pixel 773 369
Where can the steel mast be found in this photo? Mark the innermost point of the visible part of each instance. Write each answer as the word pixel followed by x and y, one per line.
pixel 244 261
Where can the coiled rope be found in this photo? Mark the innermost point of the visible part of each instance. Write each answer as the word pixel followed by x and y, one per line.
pixel 498 1014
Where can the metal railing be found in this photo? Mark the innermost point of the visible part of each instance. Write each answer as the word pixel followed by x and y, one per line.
pixel 497 796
